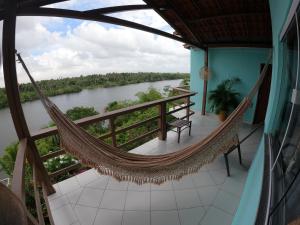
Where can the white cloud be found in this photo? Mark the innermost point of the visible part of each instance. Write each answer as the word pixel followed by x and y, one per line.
pixel 92 47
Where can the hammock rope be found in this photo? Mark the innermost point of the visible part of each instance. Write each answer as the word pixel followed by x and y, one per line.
pixel 126 166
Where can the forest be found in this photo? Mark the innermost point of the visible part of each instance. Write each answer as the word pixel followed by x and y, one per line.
pixel 61 86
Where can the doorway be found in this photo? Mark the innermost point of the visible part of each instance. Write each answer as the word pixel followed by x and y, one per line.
pixel 263 96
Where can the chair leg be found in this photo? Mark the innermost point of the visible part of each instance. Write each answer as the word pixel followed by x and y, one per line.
pixel 227 164
pixel 190 127
pixel 239 152
pixel 179 132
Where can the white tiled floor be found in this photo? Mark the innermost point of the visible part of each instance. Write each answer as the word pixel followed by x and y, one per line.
pixel 206 198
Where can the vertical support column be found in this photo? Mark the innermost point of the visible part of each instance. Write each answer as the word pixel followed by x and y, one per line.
pixel 12 90
pixel 205 84
pixel 113 131
pixel 162 107
pixel 188 102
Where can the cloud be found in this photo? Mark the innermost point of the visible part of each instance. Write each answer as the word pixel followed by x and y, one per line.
pixel 91 47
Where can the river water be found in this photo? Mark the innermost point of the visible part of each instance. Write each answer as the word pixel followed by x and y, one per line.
pixel 37 117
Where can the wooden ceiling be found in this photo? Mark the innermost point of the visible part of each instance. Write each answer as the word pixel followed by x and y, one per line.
pixel 202 23
pixel 213 23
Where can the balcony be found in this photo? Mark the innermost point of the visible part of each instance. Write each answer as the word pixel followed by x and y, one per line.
pixel 208 197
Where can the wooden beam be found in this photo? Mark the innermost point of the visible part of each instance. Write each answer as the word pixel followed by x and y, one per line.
pixel 9 70
pixel 121 8
pixel 238 44
pixel 65 13
pixel 182 20
pixel 12 90
pixel 224 16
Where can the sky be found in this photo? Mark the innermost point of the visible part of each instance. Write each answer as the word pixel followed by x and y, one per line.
pixel 56 47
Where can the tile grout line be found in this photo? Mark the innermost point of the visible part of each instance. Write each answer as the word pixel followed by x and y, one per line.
pixel 123 211
pixel 100 202
pixel 173 190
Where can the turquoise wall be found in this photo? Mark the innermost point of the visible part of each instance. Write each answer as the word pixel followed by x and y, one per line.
pixel 279 11
pixel 226 63
pixel 196 84
pixel 250 199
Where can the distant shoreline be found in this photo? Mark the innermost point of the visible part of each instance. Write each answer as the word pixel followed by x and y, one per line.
pixel 55 87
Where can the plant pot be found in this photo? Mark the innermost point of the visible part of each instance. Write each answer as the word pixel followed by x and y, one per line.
pixel 222 116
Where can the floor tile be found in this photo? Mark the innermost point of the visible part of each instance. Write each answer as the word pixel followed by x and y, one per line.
pixel 191 216
pixel 232 187
pixel 74 196
pixel 86 177
pixel 226 201
pixel 113 184
pixel 187 198
pixel 207 194
pixel 164 218
pixel 57 193
pixel 163 200
pixel 137 200
pixel 136 187
pixel 86 215
pixel 108 217
pixel 58 202
pixel 136 218
pixel 167 186
pixel 184 183
pixel 64 215
pixel 202 179
pixel 100 183
pixel 113 200
pixel 215 216
pixel 90 197
pixel 218 176
pixel 69 185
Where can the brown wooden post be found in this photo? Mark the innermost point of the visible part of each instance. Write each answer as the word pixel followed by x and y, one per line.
pixel 204 84
pixel 162 107
pixel 113 131
pixel 188 102
pixel 12 90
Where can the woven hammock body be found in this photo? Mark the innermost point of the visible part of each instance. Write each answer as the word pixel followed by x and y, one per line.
pixel 126 166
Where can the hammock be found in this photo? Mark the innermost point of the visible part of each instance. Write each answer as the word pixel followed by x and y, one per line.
pixel 126 166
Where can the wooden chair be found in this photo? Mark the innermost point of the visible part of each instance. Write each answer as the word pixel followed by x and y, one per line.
pixel 228 152
pixel 180 125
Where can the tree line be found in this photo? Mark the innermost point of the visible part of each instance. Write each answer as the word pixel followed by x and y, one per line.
pixel 61 86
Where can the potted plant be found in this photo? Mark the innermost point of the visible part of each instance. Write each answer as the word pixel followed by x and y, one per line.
pixel 224 99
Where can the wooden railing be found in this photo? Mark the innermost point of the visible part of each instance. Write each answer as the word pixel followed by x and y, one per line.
pixel 26 155
pixel 111 117
pixel 18 185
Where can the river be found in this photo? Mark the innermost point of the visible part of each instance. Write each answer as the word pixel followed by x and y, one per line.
pixel 37 117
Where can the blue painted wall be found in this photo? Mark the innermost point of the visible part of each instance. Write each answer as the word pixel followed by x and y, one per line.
pixel 226 63
pixel 279 11
pixel 249 202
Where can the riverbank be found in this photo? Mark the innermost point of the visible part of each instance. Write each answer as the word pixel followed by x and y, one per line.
pixel 56 87
pixel 99 98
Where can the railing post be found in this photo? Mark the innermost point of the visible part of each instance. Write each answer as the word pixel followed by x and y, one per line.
pixel 188 102
pixel 162 107
pixel 113 131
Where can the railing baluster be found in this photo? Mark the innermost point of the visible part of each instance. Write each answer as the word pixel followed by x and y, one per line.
pixel 113 131
pixel 188 101
pixel 162 107
pixel 37 197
